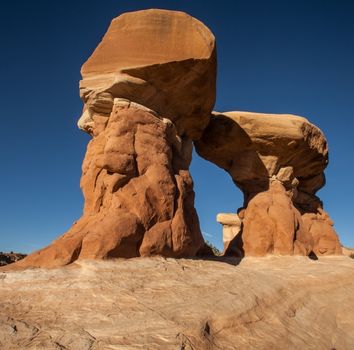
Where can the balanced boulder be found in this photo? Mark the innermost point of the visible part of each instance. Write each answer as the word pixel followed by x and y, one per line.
pixel 278 163
pixel 148 90
pixel 164 60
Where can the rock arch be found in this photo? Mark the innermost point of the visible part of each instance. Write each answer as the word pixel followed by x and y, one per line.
pixel 148 92
pixel 278 162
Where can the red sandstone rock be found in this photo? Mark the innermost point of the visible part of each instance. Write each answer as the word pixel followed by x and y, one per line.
pixel 278 162
pixel 253 147
pixel 138 193
pixel 164 60
pixel 272 225
pixel 148 89
pixel 325 238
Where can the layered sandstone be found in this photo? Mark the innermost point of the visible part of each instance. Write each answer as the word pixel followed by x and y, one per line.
pixel 148 90
pixel 262 303
pixel 138 193
pixel 164 60
pixel 278 162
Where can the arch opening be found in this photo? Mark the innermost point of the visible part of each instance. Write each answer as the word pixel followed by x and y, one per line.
pixel 215 193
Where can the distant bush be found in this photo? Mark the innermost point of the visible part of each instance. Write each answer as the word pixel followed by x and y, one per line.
pixel 9 258
pixel 351 256
pixel 215 250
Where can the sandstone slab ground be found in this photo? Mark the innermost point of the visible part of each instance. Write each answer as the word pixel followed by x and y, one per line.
pixel 158 303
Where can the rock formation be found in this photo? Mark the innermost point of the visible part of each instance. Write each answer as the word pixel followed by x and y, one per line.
pixel 231 227
pixel 163 60
pixel 278 163
pixel 148 90
pixel 161 303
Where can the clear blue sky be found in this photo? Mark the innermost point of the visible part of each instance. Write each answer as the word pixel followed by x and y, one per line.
pixel 273 56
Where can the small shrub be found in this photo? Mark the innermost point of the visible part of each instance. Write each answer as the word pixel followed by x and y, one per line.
pixel 351 255
pixel 215 250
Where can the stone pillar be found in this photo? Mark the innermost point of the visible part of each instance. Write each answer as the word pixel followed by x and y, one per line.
pixel 231 227
pixel 278 162
pixel 319 224
pixel 138 192
pixel 272 224
pixel 145 100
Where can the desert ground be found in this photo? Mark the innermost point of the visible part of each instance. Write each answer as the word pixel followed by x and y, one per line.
pixel 158 303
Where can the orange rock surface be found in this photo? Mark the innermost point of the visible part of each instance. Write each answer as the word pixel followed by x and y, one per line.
pixel 278 162
pixel 148 89
pixel 164 60
pixel 138 193
pixel 259 303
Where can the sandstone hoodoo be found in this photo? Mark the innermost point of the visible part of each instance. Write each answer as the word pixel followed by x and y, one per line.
pixel 148 90
pixel 278 163
pixel 164 60
pixel 138 193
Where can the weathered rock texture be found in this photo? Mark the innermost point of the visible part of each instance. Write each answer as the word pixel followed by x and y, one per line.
pixel 148 90
pixel 278 163
pixel 166 304
pixel 138 193
pixel 164 60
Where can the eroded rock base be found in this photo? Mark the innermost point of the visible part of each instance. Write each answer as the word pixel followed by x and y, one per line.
pixel 139 198
pixel 156 303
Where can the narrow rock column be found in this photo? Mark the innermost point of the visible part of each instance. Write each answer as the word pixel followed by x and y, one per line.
pixel 139 198
pixel 272 224
pixel 319 224
pixel 148 90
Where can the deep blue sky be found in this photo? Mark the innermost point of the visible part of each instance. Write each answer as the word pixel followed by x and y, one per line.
pixel 273 56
